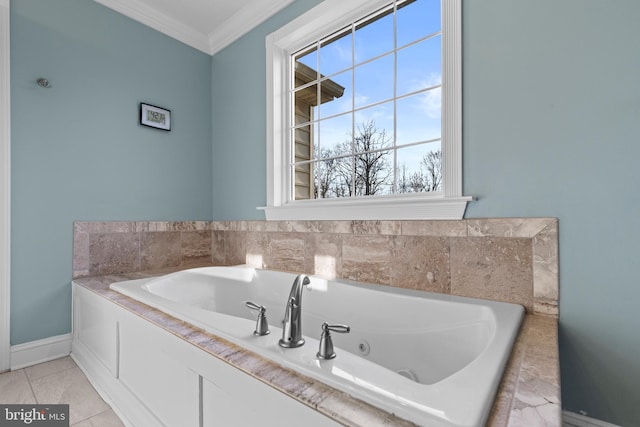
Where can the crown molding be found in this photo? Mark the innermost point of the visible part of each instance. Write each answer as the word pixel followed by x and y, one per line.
pixel 235 27
pixel 243 21
pixel 159 22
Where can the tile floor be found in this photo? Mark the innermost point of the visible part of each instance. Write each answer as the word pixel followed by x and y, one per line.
pixel 58 381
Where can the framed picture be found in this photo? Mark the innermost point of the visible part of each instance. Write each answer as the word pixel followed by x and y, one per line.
pixel 155 117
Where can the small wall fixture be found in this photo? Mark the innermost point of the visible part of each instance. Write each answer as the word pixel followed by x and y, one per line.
pixel 42 82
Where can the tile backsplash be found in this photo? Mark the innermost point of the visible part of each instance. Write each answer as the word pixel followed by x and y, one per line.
pixel 506 259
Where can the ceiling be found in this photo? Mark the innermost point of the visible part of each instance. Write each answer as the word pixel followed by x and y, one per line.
pixel 207 25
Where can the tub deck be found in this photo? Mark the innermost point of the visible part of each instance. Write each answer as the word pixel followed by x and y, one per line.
pixel 529 393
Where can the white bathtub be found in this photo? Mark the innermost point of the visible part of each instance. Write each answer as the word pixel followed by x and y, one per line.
pixel 430 358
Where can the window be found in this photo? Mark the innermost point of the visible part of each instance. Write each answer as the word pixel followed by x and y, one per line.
pixel 363 111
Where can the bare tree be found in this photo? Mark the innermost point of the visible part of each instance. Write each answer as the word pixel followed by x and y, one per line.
pixel 432 163
pixel 367 172
pixel 403 182
pixel 325 174
pixel 427 178
pixel 361 166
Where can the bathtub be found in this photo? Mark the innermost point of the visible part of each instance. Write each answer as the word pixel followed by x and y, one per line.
pixel 429 358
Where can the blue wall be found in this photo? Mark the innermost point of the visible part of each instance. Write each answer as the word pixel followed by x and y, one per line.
pixel 551 129
pixel 78 152
pixel 239 121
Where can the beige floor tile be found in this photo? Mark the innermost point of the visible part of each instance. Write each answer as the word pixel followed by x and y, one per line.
pixel 43 369
pixel 104 419
pixel 15 388
pixel 72 387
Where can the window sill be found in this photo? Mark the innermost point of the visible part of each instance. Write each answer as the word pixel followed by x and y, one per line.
pixel 417 207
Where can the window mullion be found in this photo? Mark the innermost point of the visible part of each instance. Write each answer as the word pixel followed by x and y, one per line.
pixel 316 120
pixel 353 113
pixel 395 99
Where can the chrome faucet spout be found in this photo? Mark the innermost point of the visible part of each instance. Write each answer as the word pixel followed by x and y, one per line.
pixel 292 323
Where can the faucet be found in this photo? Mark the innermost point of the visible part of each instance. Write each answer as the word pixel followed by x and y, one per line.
pixel 292 323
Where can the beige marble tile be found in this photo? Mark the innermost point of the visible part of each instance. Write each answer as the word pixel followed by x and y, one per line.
pixel 161 226
pixel 351 412
pixel 217 247
pixel 421 262
pixel 191 226
pixel 150 226
pixel 501 410
pixel 15 388
pixel 434 228
pixel 540 416
pixel 114 253
pixel 493 268
pixel 367 258
pixel 263 226
pixel 507 227
pixel 54 366
pixel 80 251
pixel 302 226
pixel 545 270
pixel 285 252
pixel 104 227
pixel 323 255
pixel 237 245
pixel 195 245
pixel 339 227
pixel 375 227
pixel 71 387
pixel 218 225
pixel 160 249
pixel 239 225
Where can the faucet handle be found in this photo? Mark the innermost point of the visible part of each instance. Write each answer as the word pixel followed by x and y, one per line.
pixel 326 342
pixel 262 326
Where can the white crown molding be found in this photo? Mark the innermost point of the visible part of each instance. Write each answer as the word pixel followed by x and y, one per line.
pixel 232 29
pixel 244 21
pixel 159 22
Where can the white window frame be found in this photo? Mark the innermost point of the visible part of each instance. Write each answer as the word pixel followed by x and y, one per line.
pixel 329 16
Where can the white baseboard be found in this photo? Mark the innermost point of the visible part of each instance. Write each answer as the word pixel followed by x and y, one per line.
pixel 570 419
pixel 34 352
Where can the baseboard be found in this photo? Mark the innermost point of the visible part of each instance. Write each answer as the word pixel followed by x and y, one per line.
pixel 570 419
pixel 34 352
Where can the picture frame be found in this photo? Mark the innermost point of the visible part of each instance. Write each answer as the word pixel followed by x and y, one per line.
pixel 155 117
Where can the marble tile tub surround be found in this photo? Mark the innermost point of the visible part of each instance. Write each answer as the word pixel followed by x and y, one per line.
pixel 506 259
pixel 101 248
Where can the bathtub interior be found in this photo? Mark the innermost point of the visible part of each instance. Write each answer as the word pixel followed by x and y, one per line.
pixel 423 339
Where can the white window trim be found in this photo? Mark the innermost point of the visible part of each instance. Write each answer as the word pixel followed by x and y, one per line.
pixel 316 23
